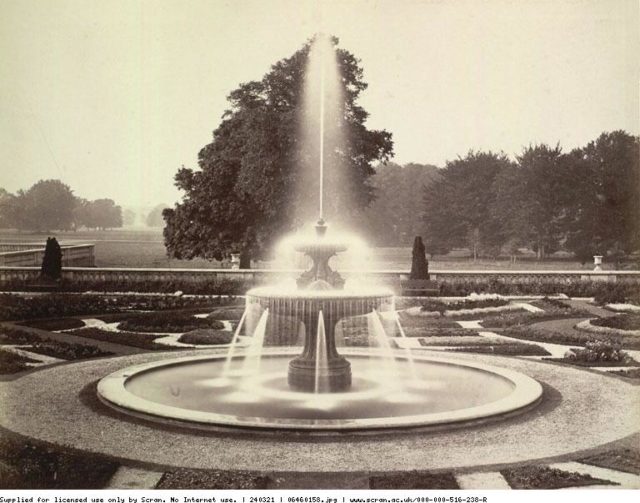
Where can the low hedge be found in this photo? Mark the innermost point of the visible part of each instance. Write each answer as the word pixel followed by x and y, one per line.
pixel 167 322
pixel 625 460
pixel 227 313
pixel 207 336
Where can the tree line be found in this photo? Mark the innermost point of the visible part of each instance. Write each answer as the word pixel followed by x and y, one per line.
pixel 51 205
pixel 586 201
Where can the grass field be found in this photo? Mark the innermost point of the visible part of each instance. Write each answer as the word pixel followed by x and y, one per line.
pixel 145 248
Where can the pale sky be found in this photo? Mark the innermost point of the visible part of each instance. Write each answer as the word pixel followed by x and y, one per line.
pixel 113 96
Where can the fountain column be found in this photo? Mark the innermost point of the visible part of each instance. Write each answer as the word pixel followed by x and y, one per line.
pixel 306 370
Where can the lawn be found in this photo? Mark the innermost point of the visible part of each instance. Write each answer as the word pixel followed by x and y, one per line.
pixel 145 248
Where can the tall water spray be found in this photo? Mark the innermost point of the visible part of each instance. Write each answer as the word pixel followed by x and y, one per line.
pixel 320 132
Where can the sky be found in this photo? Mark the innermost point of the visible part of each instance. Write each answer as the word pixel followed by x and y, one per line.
pixel 113 97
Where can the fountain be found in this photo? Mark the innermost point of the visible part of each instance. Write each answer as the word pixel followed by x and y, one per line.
pixel 317 387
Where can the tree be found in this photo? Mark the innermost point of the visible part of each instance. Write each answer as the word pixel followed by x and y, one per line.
pixel 154 218
pixel 529 199
pixel 246 194
pixel 457 205
pixel 603 210
pixel 7 209
pixel 98 214
pixel 395 216
pixel 47 205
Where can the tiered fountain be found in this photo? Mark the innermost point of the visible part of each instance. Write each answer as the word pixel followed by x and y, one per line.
pixel 317 387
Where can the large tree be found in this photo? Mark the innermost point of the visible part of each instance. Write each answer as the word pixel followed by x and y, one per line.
pixel 47 205
pixel 603 210
pixel 457 206
pixel 530 199
pixel 246 193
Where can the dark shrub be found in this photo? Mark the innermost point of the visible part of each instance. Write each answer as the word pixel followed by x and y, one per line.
pixel 601 351
pixel 207 336
pixel 52 260
pixel 419 263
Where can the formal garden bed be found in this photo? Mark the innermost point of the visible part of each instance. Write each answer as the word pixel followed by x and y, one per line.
pixel 60 305
pixel 12 363
pixel 624 460
pixel 414 480
pixel 41 345
pixel 630 322
pixel 598 354
pixel 54 324
pixel 204 336
pixel 505 349
pixel 568 338
pixel 29 466
pixel 133 339
pixel 544 477
pixel 212 479
pixel 171 322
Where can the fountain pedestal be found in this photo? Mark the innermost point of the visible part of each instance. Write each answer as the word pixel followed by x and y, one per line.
pixel 319 368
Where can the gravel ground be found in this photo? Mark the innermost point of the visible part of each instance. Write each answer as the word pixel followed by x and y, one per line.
pixel 46 405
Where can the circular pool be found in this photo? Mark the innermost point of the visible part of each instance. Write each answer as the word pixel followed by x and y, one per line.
pixel 385 393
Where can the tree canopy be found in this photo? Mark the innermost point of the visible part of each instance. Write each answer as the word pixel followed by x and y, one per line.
pixel 245 194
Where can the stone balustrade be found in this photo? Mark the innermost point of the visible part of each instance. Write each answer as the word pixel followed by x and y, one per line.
pixel 130 278
pixel 31 254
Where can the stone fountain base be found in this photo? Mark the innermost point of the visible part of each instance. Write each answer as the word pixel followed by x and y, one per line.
pixel 304 375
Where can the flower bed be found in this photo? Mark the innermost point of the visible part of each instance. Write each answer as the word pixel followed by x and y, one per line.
pixel 167 322
pixel 600 353
pixel 508 349
pixel 567 338
pixel 58 305
pixel 511 319
pixel 462 305
pixel 11 363
pixel 437 332
pixel 133 339
pixel 591 327
pixel 544 477
pixel 212 479
pixel 31 466
pixel 625 460
pixel 206 336
pixel 628 373
pixel 55 324
pixel 50 347
pixel 407 320
pixel 620 322
pixel 227 313
pixel 414 480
